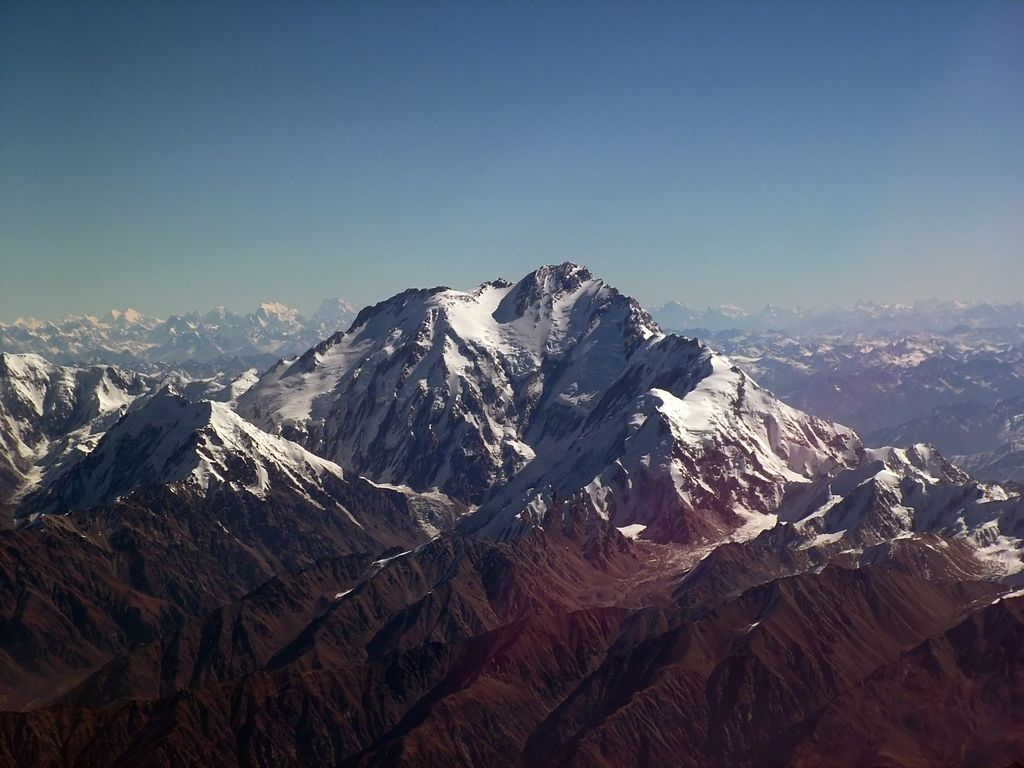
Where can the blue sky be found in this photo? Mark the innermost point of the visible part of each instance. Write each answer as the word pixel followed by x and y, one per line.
pixel 174 156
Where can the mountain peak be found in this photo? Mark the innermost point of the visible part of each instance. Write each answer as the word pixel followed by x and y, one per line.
pixel 567 275
pixel 331 307
pixel 127 316
pixel 277 309
pixel 551 281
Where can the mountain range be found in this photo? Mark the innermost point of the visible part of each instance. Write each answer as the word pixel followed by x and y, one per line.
pixel 514 525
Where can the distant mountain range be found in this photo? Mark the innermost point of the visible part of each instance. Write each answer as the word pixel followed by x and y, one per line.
pixel 868 317
pixel 219 337
pixel 879 381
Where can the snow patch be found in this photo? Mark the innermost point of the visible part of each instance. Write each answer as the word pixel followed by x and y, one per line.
pixel 632 531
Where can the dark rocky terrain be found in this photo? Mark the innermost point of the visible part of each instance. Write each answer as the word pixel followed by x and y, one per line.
pixel 542 652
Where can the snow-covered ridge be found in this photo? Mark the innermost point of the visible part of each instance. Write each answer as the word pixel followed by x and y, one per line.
pixel 697 451
pixel 174 440
pixel 208 455
pixel 897 494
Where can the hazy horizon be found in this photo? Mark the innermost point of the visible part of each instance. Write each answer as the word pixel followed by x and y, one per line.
pixel 308 311
pixel 182 156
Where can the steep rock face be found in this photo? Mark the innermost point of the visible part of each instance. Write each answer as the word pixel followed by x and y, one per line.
pixel 51 416
pixel 439 388
pixel 683 447
pixel 906 510
pixel 172 439
pixel 512 395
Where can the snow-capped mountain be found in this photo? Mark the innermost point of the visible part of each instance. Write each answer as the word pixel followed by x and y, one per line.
pixel 75 336
pixel 333 315
pixel 510 395
pixel 51 416
pixel 683 446
pixel 273 329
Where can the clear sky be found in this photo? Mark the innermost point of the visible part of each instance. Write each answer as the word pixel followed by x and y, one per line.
pixel 174 156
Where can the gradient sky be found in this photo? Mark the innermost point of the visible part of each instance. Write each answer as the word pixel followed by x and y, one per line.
pixel 174 156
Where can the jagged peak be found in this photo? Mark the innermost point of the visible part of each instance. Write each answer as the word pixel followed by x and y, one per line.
pixel 552 281
pixel 565 276
pixel 127 316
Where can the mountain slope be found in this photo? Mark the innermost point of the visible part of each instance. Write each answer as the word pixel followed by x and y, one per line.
pixel 171 440
pixel 958 697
